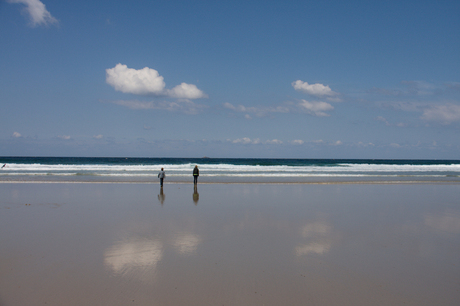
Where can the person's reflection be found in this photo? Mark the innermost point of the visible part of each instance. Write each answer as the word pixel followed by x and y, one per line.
pixel 161 196
pixel 196 195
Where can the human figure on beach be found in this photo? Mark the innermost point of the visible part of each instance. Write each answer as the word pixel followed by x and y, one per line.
pixel 196 174
pixel 161 196
pixel 3 166
pixel 161 176
pixel 196 195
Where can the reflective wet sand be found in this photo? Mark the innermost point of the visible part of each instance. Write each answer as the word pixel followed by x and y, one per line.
pixel 229 244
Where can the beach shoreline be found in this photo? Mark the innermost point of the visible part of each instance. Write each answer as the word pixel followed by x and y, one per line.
pixel 232 180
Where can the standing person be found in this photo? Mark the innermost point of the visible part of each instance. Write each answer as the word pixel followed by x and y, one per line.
pixel 196 174
pixel 161 175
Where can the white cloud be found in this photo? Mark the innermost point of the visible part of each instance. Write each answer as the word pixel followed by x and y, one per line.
pixel 298 142
pixel 16 135
pixel 37 12
pixel 316 108
pixel 140 82
pixel 64 137
pixel 445 114
pixel 184 106
pixel 317 90
pixel 148 81
pixel 186 91
pixel 98 136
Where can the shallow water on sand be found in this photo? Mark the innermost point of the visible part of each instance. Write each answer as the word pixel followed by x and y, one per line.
pixel 220 244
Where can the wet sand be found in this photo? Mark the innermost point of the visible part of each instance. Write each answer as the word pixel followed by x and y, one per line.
pixel 229 244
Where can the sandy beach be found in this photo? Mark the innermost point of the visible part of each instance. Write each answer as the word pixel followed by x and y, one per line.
pixel 229 244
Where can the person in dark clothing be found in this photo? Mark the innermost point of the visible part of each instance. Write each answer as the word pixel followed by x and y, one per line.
pixel 161 176
pixel 196 174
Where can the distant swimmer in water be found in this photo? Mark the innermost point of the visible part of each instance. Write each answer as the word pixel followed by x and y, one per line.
pixel 3 166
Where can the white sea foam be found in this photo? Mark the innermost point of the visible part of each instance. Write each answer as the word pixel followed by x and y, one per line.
pixel 215 170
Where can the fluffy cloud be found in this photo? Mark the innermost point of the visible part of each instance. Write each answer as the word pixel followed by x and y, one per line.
pixel 186 91
pixel 148 81
pixel 140 82
pixel 17 135
pixel 317 90
pixel 445 114
pixel 184 106
pixel 316 108
pixel 37 12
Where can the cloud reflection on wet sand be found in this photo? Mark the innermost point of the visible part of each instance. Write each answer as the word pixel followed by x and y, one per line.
pixel 124 256
pixel 318 234
pixel 143 254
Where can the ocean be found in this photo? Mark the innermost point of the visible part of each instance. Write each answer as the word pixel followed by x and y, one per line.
pixel 104 169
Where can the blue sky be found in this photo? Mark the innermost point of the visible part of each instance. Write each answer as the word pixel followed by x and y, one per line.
pixel 287 79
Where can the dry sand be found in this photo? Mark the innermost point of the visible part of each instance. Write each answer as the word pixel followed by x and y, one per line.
pixel 129 244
